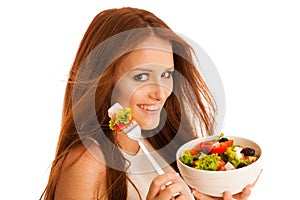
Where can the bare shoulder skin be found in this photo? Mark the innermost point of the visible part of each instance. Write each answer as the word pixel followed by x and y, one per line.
pixel 83 177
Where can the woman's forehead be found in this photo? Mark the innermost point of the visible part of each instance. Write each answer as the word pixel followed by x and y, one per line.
pixel 151 52
pixel 155 43
pixel 147 57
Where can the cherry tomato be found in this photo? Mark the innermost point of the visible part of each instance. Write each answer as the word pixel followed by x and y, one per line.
pixel 120 126
pixel 218 150
pixel 206 146
pixel 195 151
pixel 222 147
pixel 221 165
pixel 227 143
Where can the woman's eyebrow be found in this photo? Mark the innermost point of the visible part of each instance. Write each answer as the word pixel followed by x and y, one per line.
pixel 141 69
pixel 149 70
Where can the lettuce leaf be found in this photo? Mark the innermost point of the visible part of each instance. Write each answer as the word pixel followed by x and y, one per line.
pixel 121 117
pixel 187 158
pixel 233 158
pixel 208 162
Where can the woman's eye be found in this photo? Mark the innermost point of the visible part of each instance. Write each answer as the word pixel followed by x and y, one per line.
pixel 141 77
pixel 167 74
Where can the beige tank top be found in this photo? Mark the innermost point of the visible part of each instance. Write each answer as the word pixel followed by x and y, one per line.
pixel 141 173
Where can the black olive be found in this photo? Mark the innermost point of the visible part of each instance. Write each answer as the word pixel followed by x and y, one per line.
pixel 224 157
pixel 248 151
pixel 241 165
pixel 223 140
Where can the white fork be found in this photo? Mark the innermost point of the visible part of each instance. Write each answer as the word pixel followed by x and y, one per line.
pixel 133 130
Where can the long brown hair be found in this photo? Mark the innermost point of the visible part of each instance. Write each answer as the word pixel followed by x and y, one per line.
pixel 195 103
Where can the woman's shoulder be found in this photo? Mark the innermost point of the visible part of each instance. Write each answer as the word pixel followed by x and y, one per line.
pixel 86 158
pixel 82 174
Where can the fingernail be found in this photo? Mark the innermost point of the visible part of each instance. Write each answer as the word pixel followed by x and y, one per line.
pixel 228 195
pixel 176 174
pixel 249 188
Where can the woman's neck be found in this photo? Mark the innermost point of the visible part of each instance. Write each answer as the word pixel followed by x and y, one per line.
pixel 127 144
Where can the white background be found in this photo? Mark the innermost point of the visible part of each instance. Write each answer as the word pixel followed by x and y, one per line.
pixel 255 46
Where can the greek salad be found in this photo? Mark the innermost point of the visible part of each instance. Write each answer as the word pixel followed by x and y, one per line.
pixel 221 154
pixel 120 119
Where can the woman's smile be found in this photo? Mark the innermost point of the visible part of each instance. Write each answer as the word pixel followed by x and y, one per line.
pixel 149 108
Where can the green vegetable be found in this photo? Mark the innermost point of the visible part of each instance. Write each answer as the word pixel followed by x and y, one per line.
pixel 208 162
pixel 221 136
pixel 187 158
pixel 232 157
pixel 112 124
pixel 121 117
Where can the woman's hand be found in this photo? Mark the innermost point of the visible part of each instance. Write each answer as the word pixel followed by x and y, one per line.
pixel 226 195
pixel 159 191
pixel 244 195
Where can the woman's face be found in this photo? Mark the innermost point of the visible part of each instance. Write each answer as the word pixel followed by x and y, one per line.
pixel 145 81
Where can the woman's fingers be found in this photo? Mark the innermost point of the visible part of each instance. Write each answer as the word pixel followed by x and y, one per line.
pixel 181 197
pixel 227 196
pixel 170 190
pixel 244 194
pixel 201 196
pixel 159 182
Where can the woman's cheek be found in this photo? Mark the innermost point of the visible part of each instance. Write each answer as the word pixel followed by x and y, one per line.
pixel 123 92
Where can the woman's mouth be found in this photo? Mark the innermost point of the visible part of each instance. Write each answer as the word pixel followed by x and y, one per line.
pixel 149 107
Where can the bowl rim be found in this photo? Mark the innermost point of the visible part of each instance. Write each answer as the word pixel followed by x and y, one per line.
pixel 207 138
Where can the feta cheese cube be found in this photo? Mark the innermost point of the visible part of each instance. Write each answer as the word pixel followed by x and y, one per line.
pixel 238 152
pixel 229 166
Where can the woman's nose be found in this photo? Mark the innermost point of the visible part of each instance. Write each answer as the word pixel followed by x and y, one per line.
pixel 158 92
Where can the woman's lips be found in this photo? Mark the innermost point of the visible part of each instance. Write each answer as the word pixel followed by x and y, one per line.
pixel 149 108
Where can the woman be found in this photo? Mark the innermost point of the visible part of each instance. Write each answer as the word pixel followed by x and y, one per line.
pixel 129 56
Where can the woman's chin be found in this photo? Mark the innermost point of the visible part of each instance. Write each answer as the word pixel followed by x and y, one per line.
pixel 151 126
